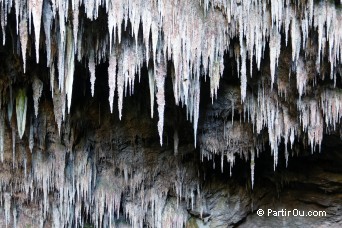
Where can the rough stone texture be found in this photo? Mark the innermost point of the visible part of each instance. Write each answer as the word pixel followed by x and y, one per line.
pixel 124 160
pixel 258 142
pixel 311 183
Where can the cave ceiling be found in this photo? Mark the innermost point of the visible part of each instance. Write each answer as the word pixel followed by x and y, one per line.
pixel 105 104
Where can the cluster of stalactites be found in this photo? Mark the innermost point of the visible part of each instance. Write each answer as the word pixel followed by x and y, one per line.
pixel 307 118
pixel 194 41
pixel 62 188
pixel 192 34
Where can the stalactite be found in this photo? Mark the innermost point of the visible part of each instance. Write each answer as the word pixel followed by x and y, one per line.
pixel 21 108
pixel 47 24
pixel 91 66
pixel 36 11
pixel 243 73
pixel 187 39
pixel 160 95
pixel 23 40
pixel 31 137
pixel 59 107
pixel 7 206
pixel 194 40
pixel 70 67
pixel 151 83
pixel 252 167
pixel 112 79
pixel 37 88
pixel 52 79
pixel 275 40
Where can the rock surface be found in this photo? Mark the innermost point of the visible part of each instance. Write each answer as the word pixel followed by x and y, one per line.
pixel 202 136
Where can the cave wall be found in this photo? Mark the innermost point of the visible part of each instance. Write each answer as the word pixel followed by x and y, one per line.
pixel 223 108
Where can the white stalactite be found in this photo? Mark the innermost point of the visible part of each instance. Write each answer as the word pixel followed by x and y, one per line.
pixel 7 206
pixel 160 75
pixel 37 88
pixel 91 66
pixel 47 24
pixel 151 83
pixel 23 40
pixel 112 79
pixel 195 43
pixel 252 167
pixel 192 39
pixel 36 10
pixel 69 67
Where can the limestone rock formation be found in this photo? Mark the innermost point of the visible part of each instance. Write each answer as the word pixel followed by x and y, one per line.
pixel 247 101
